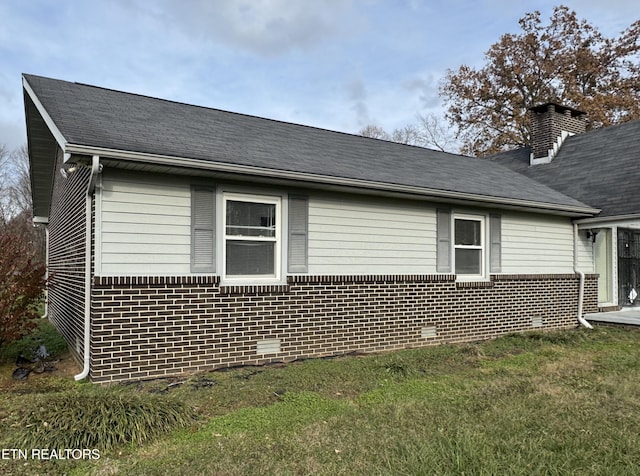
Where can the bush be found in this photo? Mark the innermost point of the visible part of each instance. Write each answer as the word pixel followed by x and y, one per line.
pixel 22 282
pixel 43 333
pixel 99 418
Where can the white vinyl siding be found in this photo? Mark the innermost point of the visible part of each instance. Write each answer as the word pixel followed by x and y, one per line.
pixel 603 265
pixel 536 244
pixel 145 226
pixel 586 260
pixel 358 235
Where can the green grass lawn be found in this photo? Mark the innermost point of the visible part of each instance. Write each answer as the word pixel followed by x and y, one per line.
pixel 538 403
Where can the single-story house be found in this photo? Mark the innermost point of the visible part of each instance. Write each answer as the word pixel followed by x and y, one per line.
pixel 599 168
pixel 184 238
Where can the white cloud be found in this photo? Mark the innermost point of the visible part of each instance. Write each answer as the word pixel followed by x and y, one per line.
pixel 338 64
pixel 424 87
pixel 264 27
pixel 357 98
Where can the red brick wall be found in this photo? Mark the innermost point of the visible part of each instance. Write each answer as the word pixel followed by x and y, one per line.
pixel 145 327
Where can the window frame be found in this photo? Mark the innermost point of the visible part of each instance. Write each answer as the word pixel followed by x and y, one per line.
pixel 277 239
pixel 482 219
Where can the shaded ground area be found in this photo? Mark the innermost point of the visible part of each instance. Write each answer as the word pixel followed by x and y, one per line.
pixel 64 367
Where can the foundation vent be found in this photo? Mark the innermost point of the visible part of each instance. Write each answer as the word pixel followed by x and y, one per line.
pixel 268 346
pixel 429 332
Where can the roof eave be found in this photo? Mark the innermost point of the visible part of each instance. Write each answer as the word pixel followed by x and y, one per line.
pixel 60 139
pixel 43 139
pixel 441 195
pixel 610 220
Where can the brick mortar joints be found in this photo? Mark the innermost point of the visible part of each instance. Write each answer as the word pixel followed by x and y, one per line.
pixel 154 280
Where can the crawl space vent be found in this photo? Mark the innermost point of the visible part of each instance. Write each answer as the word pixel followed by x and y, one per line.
pixel 268 346
pixel 429 332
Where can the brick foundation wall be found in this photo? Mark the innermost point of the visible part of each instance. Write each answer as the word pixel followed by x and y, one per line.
pixel 146 327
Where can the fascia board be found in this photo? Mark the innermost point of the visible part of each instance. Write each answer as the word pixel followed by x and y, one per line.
pixel 607 221
pixel 329 180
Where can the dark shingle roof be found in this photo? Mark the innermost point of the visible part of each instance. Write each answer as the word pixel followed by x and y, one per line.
pixel 92 116
pixel 600 168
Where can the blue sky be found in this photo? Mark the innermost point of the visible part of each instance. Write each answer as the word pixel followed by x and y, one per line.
pixel 336 64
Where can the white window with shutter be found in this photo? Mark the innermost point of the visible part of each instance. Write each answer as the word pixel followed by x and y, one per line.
pixel 468 244
pixel 252 237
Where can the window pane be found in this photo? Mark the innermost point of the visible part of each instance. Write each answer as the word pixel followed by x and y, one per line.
pixel 248 258
pixel 468 232
pixel 468 261
pixel 251 219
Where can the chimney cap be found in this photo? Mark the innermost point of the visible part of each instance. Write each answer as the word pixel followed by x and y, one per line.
pixel 559 108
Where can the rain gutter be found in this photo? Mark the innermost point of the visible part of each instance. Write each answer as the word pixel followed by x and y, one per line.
pixel 224 167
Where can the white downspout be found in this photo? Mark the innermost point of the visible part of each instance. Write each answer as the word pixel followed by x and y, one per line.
pixel 95 169
pixel 581 319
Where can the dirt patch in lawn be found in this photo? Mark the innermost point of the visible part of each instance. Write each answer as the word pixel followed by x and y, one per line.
pixel 63 367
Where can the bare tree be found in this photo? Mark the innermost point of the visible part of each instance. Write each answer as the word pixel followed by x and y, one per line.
pixel 21 191
pixel 429 132
pixel 4 185
pixel 408 135
pixel 434 134
pixel 16 211
pixel 374 132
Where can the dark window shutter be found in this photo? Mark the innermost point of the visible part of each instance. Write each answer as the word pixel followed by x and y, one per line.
pixel 443 230
pixel 298 234
pixel 495 238
pixel 203 243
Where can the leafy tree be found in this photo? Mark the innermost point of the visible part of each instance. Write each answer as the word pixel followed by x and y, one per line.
pixel 566 60
pixel 22 281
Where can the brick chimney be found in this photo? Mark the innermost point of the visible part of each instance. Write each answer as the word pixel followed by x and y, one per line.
pixel 551 124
